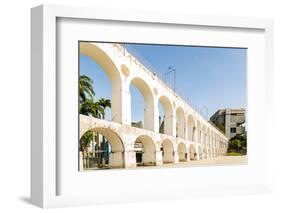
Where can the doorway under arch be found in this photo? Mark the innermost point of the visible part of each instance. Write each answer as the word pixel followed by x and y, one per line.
pixel 192 152
pixel 103 149
pixel 145 151
pixel 167 151
pixel 200 152
pixel 205 152
pixel 182 152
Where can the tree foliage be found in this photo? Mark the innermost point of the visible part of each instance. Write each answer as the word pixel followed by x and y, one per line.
pixel 86 140
pixel 104 103
pixel 86 90
pixel 87 106
pixel 91 108
pixel 238 144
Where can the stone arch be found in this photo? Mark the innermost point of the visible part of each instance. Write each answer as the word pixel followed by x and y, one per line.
pixel 208 138
pixel 191 128
pixel 192 152
pixel 168 115
pixel 210 152
pixel 199 132
pixel 215 141
pixel 104 60
pixel 213 152
pixel 205 152
pixel 182 152
pixel 204 135
pixel 116 150
pixel 145 151
pixel 200 152
pixel 167 149
pixel 180 125
pixel 147 94
pixel 212 140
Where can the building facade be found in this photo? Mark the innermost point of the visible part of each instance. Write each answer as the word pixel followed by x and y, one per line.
pixel 230 121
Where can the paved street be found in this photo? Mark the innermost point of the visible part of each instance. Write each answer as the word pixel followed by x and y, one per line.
pixel 222 160
pixel 218 161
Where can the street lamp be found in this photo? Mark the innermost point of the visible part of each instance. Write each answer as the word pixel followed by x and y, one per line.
pixel 171 69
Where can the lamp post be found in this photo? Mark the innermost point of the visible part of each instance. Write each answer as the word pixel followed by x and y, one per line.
pixel 171 69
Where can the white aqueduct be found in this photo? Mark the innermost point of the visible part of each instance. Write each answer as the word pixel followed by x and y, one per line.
pixel 187 135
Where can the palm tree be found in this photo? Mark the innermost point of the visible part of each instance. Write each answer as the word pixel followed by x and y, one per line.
pixel 84 142
pixel 104 103
pixel 91 108
pixel 86 90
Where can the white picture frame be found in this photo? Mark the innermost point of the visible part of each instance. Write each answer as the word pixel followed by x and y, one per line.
pixel 45 178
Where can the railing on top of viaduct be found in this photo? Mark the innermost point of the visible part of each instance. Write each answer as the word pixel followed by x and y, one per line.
pixel 154 73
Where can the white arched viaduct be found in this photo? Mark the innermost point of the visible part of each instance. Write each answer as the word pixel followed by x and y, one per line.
pixel 187 135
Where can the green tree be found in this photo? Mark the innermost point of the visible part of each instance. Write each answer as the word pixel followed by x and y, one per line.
pixel 84 143
pixel 91 108
pixel 104 103
pixel 86 140
pixel 86 90
pixel 238 144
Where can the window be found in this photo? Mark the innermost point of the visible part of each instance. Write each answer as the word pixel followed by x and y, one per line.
pixel 233 130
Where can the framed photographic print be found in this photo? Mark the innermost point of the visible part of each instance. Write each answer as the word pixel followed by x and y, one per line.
pixel 131 106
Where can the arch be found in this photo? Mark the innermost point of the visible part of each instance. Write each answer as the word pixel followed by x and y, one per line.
pixel 205 152
pixel 210 153
pixel 147 94
pixel 199 132
pixel 191 128
pixel 111 156
pixel 145 151
pixel 180 125
pixel 200 152
pixel 93 51
pixel 204 135
pixel 168 115
pixel 182 152
pixel 192 152
pixel 167 149
pixel 208 137
pixel 213 152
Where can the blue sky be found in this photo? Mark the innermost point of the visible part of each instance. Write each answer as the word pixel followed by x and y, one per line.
pixel 209 77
